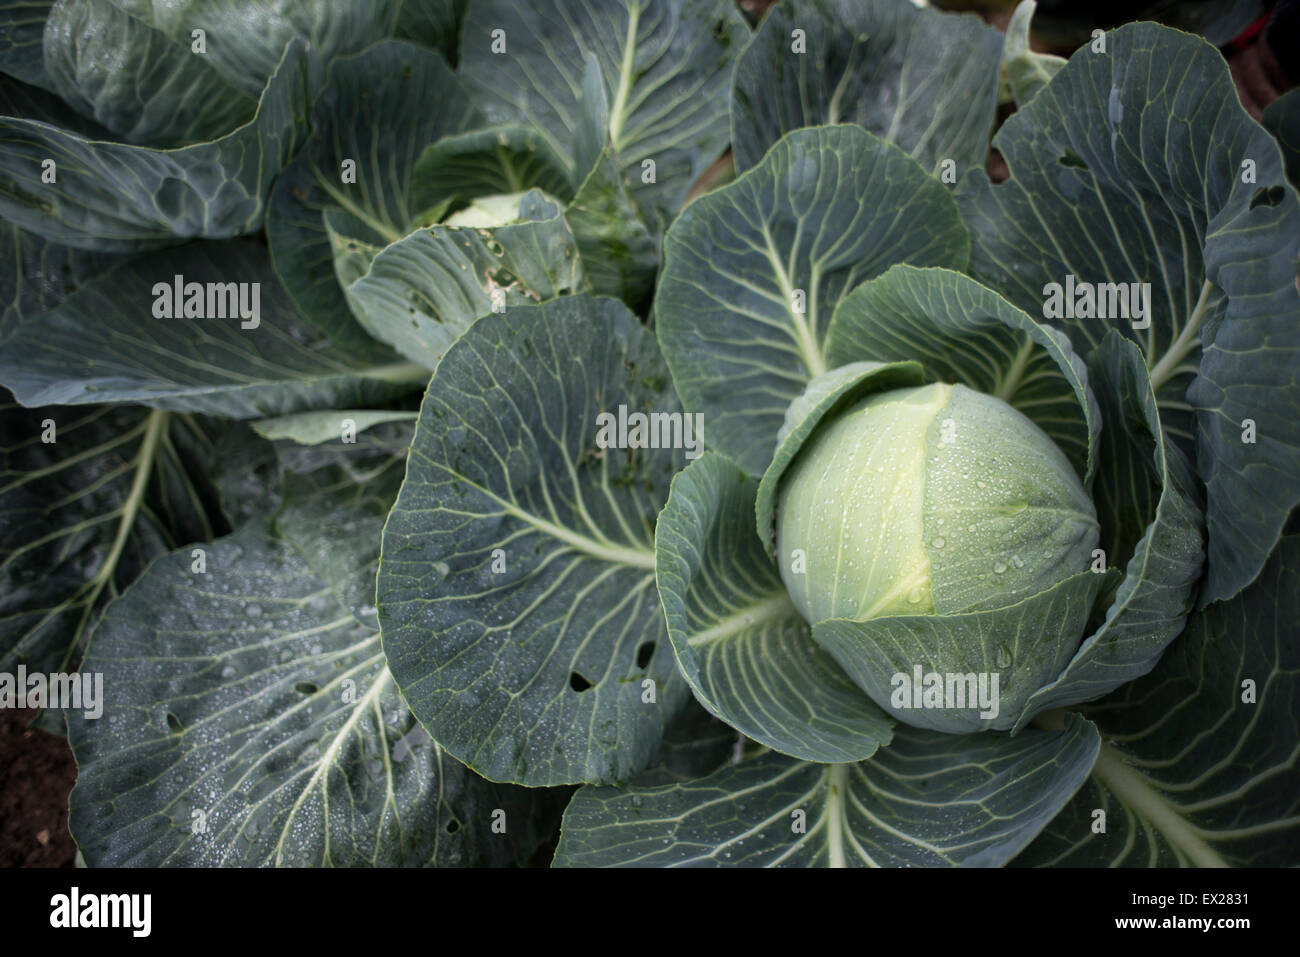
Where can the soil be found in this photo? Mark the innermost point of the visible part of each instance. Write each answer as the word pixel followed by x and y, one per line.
pixel 36 776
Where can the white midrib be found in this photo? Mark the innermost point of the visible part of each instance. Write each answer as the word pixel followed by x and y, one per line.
pixel 615 554
pixel 144 462
pixel 618 110
pixel 837 781
pixel 778 606
pixel 1186 341
pixel 345 201
pixel 1006 389
pixel 328 757
pixel 399 372
pixel 513 179
pixel 1135 792
pixel 835 105
pixel 919 578
pixel 808 348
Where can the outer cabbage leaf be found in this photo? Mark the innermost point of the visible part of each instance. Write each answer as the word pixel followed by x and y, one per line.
pixel 927 800
pixel 331 28
pixel 1200 762
pixel 1139 164
pixel 1152 527
pixel 517 591
pixel 962 332
pixel 754 270
pixel 104 344
pixel 923 79
pixel 372 121
pixel 22 31
pixel 739 641
pixel 664 65
pixel 119 197
pixel 82 515
pixel 251 719
pixel 423 291
pixel 38 275
pixel 170 96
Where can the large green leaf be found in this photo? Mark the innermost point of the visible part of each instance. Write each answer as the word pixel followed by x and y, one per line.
pixel 104 344
pixel 1140 165
pixel 423 291
pixel 739 641
pixel 517 592
pixel 925 80
pixel 377 113
pixel 82 514
pixel 84 505
pixel 963 332
pixel 927 800
pixel 754 270
pixel 253 700
pixel 665 68
pixel 120 197
pixel 1198 768
pixel 170 97
pixel 1152 527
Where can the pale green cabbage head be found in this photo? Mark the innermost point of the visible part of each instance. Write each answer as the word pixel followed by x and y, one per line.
pixel 929 500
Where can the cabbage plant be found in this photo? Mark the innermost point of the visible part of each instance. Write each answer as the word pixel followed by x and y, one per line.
pixel 615 432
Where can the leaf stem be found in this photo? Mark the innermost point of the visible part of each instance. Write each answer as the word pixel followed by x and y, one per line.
pixel 776 606
pixel 837 782
pixel 1134 791
pixel 1187 340
pixel 808 348
pixel 400 372
pixel 390 234
pixel 144 462
pixel 606 552
pixel 1011 381
pixel 619 107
